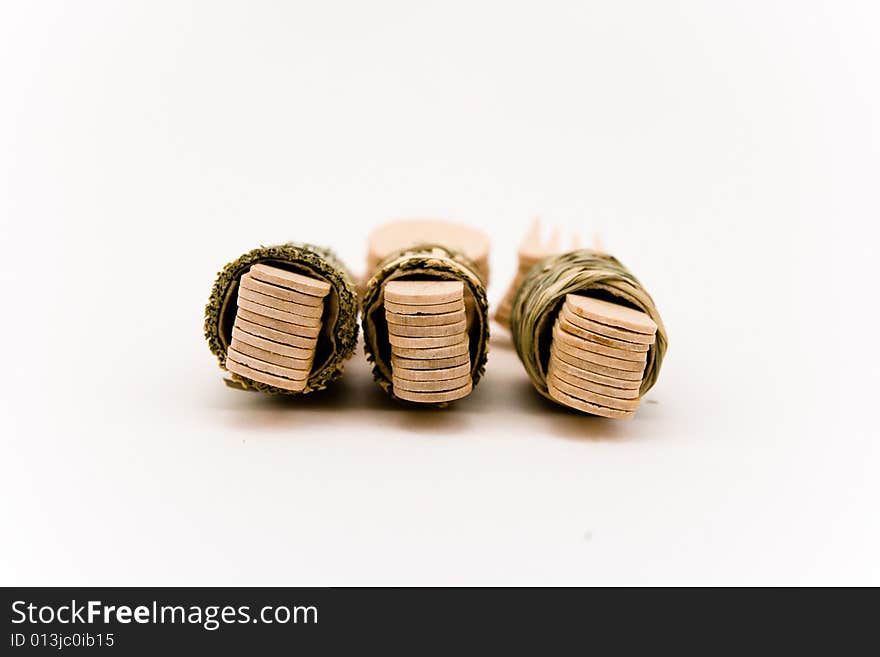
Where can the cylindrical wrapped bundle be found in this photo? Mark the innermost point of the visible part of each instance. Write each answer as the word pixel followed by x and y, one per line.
pixel 543 293
pixel 426 262
pixel 333 323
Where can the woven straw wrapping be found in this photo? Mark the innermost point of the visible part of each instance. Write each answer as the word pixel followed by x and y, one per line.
pixel 338 336
pixel 542 294
pixel 432 261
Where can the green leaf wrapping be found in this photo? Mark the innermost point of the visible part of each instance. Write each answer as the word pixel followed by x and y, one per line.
pixel 339 330
pixel 542 294
pixel 424 261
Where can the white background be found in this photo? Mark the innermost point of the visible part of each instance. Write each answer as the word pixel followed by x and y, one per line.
pixel 729 153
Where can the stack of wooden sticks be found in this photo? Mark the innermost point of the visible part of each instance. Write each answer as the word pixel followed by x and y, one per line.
pixel 598 356
pixel 427 329
pixel 276 326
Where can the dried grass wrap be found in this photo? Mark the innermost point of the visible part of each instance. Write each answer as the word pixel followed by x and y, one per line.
pixel 420 262
pixel 542 294
pixel 338 336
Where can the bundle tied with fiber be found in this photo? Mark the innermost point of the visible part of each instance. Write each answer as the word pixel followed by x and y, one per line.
pixel 543 302
pixel 426 263
pixel 332 317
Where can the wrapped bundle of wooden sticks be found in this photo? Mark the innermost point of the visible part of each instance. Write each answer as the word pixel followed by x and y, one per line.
pixel 283 319
pixel 588 333
pixel 425 312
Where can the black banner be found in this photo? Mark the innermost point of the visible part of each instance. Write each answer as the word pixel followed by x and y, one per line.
pixel 136 621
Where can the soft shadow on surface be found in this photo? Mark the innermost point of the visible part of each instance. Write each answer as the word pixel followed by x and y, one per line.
pixel 516 402
pixel 504 399
pixel 434 421
pixel 353 401
pixel 507 394
pixel 501 338
pixel 570 424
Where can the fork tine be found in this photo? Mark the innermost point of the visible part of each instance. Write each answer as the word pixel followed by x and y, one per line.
pixel 533 235
pixel 553 242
